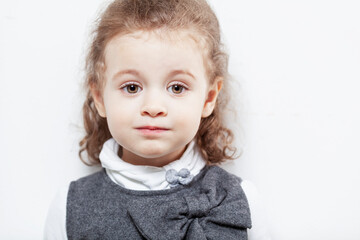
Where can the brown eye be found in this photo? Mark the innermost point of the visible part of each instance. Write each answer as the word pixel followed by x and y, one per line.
pixel 176 89
pixel 131 88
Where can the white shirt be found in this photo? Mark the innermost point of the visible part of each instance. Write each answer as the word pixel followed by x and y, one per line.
pixel 138 177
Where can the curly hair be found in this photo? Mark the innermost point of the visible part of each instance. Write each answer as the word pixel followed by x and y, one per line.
pixel 127 16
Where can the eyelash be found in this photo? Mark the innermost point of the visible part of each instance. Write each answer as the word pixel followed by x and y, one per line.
pixel 125 87
pixel 183 86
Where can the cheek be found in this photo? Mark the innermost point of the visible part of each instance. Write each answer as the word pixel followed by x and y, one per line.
pixel 118 111
pixel 188 114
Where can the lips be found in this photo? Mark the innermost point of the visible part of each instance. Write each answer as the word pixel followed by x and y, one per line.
pixel 151 130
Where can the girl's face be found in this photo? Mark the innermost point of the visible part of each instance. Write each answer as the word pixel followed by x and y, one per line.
pixel 155 94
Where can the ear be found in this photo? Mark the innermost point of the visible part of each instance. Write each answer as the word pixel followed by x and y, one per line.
pixel 211 97
pixel 98 100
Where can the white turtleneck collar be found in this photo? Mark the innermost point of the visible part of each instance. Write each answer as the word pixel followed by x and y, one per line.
pixel 139 177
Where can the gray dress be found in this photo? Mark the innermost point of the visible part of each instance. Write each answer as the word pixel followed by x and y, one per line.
pixel 212 206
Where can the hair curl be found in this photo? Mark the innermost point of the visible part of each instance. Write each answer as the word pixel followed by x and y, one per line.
pixel 127 16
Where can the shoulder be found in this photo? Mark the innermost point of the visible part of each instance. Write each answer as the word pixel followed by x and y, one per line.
pixel 259 230
pixel 89 179
pixel 216 172
pixel 89 182
pixel 55 224
pixel 247 186
pixel 218 179
pixel 56 216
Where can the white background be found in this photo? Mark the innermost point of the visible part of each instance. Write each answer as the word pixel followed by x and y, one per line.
pixel 297 64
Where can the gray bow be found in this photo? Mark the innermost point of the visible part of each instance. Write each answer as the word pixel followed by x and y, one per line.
pixel 175 178
pixel 209 212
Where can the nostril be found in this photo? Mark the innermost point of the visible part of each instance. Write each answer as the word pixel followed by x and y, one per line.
pixel 153 111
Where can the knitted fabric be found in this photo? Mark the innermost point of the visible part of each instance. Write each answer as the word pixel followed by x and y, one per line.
pixel 212 206
pixel 175 178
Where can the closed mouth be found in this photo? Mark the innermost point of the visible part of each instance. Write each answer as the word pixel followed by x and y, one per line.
pixel 152 128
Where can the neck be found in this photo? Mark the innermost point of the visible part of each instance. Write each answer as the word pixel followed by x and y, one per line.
pixel 160 161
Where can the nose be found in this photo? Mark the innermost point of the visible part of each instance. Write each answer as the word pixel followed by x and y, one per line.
pixel 153 111
pixel 153 108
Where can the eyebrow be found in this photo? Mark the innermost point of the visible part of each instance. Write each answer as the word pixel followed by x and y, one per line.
pixel 136 73
pixel 176 72
pixel 123 72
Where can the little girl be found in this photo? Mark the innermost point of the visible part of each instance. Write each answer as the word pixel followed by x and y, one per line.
pixel 153 121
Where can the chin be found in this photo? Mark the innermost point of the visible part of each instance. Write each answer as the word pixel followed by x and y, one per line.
pixel 152 154
pixel 152 148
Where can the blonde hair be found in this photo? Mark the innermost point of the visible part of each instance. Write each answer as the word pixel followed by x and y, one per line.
pixel 127 16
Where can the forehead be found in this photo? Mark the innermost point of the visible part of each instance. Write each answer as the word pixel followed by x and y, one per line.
pixel 155 51
pixel 173 37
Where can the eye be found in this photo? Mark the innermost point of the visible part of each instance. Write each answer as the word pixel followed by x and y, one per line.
pixel 177 88
pixel 131 88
